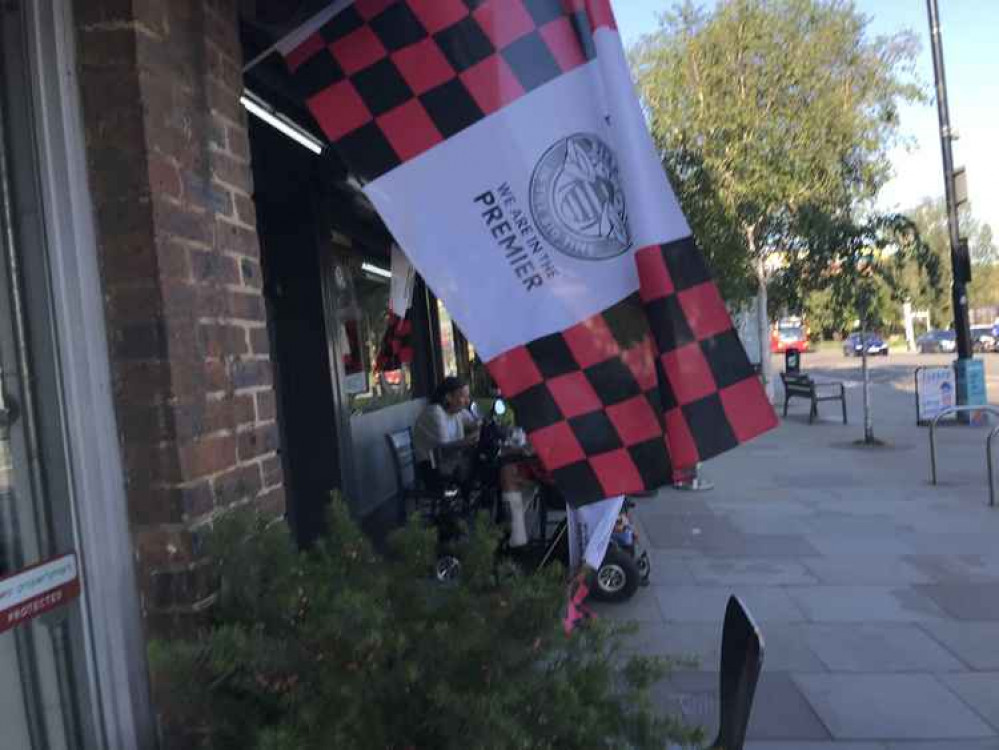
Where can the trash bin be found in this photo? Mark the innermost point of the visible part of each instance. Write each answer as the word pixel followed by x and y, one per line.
pixel 792 362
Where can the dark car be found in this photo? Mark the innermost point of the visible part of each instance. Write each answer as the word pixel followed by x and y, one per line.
pixel 983 339
pixel 939 342
pixel 875 345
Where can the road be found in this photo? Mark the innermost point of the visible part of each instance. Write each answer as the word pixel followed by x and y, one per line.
pixel 897 370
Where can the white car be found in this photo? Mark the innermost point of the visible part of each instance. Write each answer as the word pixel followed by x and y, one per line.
pixel 983 339
pixel 940 342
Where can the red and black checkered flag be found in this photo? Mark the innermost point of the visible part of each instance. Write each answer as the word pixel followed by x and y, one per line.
pixel 396 349
pixel 502 143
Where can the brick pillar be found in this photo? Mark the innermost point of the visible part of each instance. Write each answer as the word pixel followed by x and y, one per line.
pixel 170 175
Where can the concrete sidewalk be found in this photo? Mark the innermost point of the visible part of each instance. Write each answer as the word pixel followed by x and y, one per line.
pixel 878 594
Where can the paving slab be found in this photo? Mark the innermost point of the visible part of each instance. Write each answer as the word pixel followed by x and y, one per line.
pixel 738 544
pixel 686 532
pixel 783 712
pixel 965 601
pixel 974 643
pixel 700 641
pixel 766 506
pixel 768 604
pixel 753 571
pixel 933 518
pixel 894 706
pixel 864 604
pixel 859 546
pixel 774 522
pixel 945 745
pixel 780 710
pixel 869 570
pixel 947 543
pixel 787 648
pixel 671 503
pixel 843 523
pixel 671 570
pixel 956 568
pixel 932 745
pixel 642 607
pixel 980 690
pixel 878 648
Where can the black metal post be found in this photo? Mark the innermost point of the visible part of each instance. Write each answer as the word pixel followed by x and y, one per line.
pixel 960 293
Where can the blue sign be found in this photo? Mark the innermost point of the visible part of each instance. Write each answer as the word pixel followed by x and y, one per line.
pixel 971 386
pixel 971 382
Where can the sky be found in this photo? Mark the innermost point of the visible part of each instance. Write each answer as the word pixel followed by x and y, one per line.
pixel 971 60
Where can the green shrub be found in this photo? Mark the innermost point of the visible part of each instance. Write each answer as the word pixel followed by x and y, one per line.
pixel 337 648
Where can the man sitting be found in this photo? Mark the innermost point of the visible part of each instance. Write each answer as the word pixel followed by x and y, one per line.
pixel 444 435
pixel 448 429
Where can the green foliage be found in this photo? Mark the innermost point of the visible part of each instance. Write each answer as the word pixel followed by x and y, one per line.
pixel 983 291
pixel 763 109
pixel 339 648
pixel 930 216
pixel 865 270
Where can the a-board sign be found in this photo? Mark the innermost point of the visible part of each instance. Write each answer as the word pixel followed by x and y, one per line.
pixel 936 391
pixel 38 589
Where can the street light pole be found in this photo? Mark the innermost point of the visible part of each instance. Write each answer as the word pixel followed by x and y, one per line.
pixel 957 249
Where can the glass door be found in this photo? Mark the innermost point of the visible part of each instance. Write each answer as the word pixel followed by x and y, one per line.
pixel 42 699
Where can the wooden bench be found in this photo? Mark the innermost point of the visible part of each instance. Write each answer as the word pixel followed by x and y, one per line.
pixel 802 386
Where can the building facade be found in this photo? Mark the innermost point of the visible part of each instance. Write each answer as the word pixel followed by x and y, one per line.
pixel 190 302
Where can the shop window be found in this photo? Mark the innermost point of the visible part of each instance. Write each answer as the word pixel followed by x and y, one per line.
pixel 478 377
pixel 363 291
pixel 459 356
pixel 449 351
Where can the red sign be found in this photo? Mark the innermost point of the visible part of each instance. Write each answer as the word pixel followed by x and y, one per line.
pixel 38 589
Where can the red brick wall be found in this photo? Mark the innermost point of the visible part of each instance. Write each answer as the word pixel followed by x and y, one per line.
pixel 170 175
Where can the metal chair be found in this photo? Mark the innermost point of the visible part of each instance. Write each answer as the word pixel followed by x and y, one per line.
pixel 411 494
pixel 741 664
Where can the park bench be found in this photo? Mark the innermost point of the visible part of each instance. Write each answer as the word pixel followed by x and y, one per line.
pixel 802 386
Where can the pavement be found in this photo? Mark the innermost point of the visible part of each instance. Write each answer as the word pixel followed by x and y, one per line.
pixel 877 593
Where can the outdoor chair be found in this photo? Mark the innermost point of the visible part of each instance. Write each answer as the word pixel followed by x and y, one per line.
pixel 803 386
pixel 741 663
pixel 412 495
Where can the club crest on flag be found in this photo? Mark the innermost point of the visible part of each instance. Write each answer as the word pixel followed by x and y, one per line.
pixel 577 200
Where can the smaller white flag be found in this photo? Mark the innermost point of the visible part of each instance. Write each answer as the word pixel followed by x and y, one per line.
pixel 403 278
pixel 590 529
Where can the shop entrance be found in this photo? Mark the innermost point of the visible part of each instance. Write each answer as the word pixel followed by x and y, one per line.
pixel 286 177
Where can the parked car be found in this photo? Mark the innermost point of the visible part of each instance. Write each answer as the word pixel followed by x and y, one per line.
pixel 939 342
pixel 875 345
pixel 788 336
pixel 984 339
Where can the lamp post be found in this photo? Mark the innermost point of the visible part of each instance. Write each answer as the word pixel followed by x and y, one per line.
pixel 958 249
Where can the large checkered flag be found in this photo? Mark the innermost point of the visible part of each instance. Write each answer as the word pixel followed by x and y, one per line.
pixel 502 143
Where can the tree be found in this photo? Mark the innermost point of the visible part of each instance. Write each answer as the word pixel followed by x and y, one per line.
pixel 984 288
pixel 829 319
pixel 930 216
pixel 863 267
pixel 761 108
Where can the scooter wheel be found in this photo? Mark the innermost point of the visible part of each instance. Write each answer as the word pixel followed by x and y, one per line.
pixel 447 569
pixel 644 564
pixel 618 577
